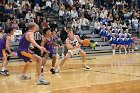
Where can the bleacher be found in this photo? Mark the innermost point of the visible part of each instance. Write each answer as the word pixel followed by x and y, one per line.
pixel 102 47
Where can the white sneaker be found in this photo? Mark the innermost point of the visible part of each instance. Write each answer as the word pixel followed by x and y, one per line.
pixel 56 70
pixel 25 77
pixel 125 52
pixel 113 50
pixel 42 81
pixel 86 66
pixel 132 50
pixel 57 56
pixel 120 51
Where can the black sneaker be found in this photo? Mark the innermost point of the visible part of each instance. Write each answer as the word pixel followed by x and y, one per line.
pixel 42 70
pixel 52 70
pixel 5 73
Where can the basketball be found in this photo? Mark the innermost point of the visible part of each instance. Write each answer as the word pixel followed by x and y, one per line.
pixel 86 42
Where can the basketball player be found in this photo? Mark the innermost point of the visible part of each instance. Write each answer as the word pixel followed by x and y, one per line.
pixel 5 50
pixel 73 46
pixel 48 43
pixel 23 53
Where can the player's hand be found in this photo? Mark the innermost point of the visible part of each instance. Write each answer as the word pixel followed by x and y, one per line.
pixel 47 52
pixel 13 54
pixel 78 46
pixel 42 49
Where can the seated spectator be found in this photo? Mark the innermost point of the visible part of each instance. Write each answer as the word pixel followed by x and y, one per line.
pixel 20 15
pixel 44 24
pixel 103 33
pixel 135 23
pixel 61 13
pixel 97 27
pixel 2 31
pixel 75 25
pixel 54 25
pixel 131 44
pixel 48 6
pixel 38 20
pixel 25 4
pixel 82 2
pixel 28 16
pixel 74 13
pixel 70 3
pixel 37 8
pixel 84 23
pixel 67 17
pixel 55 7
pixel 63 35
pixel 15 25
pixel 114 43
pixel 22 25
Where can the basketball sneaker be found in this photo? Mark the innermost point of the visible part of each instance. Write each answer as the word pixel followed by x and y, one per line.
pixel 5 73
pixel 57 70
pixel 52 70
pixel 42 81
pixel 86 66
pixel 25 77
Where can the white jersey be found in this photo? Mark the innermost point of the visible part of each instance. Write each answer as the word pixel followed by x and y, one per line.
pixel 73 42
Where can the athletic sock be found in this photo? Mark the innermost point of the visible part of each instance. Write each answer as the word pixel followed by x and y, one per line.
pixel 3 69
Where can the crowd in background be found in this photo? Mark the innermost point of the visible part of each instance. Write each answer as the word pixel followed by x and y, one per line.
pixel 112 16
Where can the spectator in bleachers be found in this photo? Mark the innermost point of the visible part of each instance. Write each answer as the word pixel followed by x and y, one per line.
pixel 61 13
pixel 15 25
pixel 44 24
pixel 38 20
pixel 20 15
pixel 54 25
pixel 26 4
pixel 48 6
pixel 37 8
pixel 55 7
pixel 7 24
pixel 114 43
pixel 97 26
pixel 22 25
pixel 74 13
pixel 103 33
pixel 28 16
pixel 135 23
pixel 63 34
pixel 82 2
pixel 131 44
pixel 1 32
pixel 67 17
pixel 126 43
pixel 75 25
pixel 84 23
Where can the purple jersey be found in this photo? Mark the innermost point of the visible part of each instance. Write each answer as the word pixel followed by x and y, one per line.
pixel 24 44
pixel 49 46
pixel 3 42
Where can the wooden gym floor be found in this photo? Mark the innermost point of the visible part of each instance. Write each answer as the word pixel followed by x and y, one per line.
pixel 118 73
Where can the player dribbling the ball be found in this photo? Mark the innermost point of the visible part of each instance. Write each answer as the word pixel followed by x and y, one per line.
pixel 73 46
